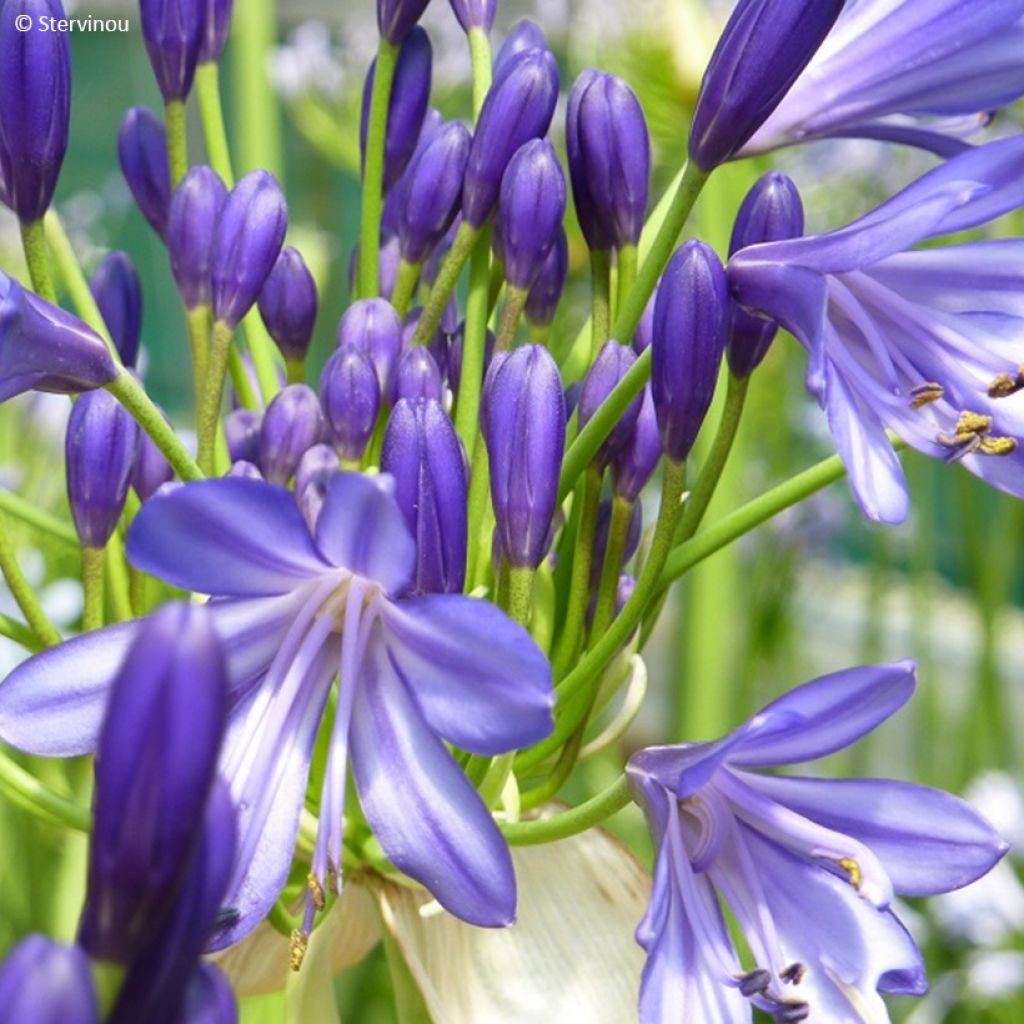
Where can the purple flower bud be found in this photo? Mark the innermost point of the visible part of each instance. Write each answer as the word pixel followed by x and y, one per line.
pixel 35 105
pixel 424 455
pixel 524 35
pixel 432 191
pixel 215 29
pixel 155 767
pixel 350 393
pixel 530 211
pixel 44 982
pixel 519 107
pixel 524 426
pixel 546 293
pixel 373 327
pixel 244 470
pixel 397 18
pixel 45 349
pixel 635 464
pixel 191 229
pixel 763 49
pixel 99 453
pixel 410 97
pixel 645 329
pixel 173 31
pixel 118 292
pixel 210 998
pixel 594 227
pixel 142 150
pixel 247 242
pixel 438 344
pixel 771 212
pixel 455 356
pixel 689 338
pixel 242 432
pixel 604 522
pixel 610 366
pixel 288 305
pixel 417 377
pixel 151 469
pixel 319 463
pixel 292 424
pixel 610 158
pixel 395 199
pixel 475 13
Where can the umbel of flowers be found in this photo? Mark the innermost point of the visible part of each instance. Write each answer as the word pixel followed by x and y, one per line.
pixel 406 589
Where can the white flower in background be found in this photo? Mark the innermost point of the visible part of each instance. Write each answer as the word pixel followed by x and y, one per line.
pixel 308 61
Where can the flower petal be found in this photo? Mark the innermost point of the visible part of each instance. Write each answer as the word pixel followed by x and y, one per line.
pixel 927 840
pixel 478 677
pixel 229 537
pixel 428 817
pixel 361 528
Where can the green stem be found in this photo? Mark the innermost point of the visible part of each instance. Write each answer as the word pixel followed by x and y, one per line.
pixel 117 580
pixel 520 594
pixel 92 582
pixel 257 114
pixel 373 171
pixel 177 141
pixel 211 111
pixel 295 370
pixel 198 321
pixel 515 303
pixel 14 505
pixel 444 284
pixel 240 380
pixel 405 286
pixel 628 260
pixel 21 590
pixel 480 55
pixel 33 242
pixel 479 495
pixel 607 591
pixel 570 823
pixel 19 633
pixel 107 980
pixel 25 791
pixel 474 344
pixel 262 349
pixel 213 394
pixel 551 786
pixel 600 300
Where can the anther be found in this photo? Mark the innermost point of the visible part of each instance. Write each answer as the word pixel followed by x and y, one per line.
pixel 755 982
pixel 925 394
pixel 792 1013
pixel 316 890
pixel 1006 384
pixel 972 424
pixel 794 973
pixel 997 445
pixel 852 869
pixel 297 949
pixel 334 879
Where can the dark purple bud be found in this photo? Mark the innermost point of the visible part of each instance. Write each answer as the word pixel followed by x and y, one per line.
pixel 351 399
pixel 763 49
pixel 546 293
pixel 292 424
pixel 248 240
pixel 397 18
pixel 645 329
pixel 117 290
pixel 173 31
pixel 524 426
pixel 604 522
pixel 424 455
pixel 99 453
pixel 35 105
pixel 244 470
pixel 475 13
pixel 432 191
pixel 210 998
pixel 43 348
pixel 155 767
pixel 417 377
pixel 395 199
pixel 288 305
pixel 242 432
pixel 215 30
pixel 45 982
pixel 530 211
pixel 635 464
pixel 455 356
pixel 319 463
pixel 771 212
pixel 410 97
pixel 519 107
pixel 373 327
pixel 594 228
pixel 611 163
pixel 524 35
pixel 610 366
pixel 191 229
pixel 151 470
pixel 142 150
pixel 689 339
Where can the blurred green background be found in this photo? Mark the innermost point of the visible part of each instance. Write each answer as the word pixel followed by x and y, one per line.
pixel 816 590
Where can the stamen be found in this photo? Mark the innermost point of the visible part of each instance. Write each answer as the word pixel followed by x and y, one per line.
pixel 754 982
pixel 925 394
pixel 794 973
pixel 334 879
pixel 317 891
pixel 791 1013
pixel 297 949
pixel 1004 385
pixel 972 423
pixel 997 445
pixel 852 868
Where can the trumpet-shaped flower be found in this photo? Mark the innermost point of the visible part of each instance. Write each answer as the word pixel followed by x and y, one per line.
pixel 296 610
pixel 808 867
pixel 928 343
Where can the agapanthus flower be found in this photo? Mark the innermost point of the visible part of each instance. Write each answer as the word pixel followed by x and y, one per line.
pixel 808 867
pixel 294 611
pixel 924 72
pixel 928 343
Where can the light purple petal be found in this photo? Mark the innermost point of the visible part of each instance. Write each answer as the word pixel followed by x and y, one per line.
pixel 927 840
pixel 682 769
pixel 228 537
pixel 478 678
pixel 361 528
pixel 428 817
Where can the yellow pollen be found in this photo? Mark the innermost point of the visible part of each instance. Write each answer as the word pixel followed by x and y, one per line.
pixel 997 445
pixel 297 952
pixel 317 891
pixel 852 869
pixel 972 424
pixel 1004 385
pixel 925 394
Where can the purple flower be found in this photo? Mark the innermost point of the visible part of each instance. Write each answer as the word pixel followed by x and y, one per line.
pixel 351 399
pixel 43 982
pixel 762 50
pixel 546 293
pixel 372 326
pixel 293 610
pixel 215 31
pixel 191 232
pixel 35 106
pixel 396 18
pixel 242 432
pixel 174 32
pixel 417 377
pixel 292 424
pixel 611 365
pixel 475 14
pixel 151 469
pixel 118 292
pixel 927 343
pixel 288 305
pixel 807 866
pixel 923 72
pixel 636 463
pixel 142 151
pixel 524 35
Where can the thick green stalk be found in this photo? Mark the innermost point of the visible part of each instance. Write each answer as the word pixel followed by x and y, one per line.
pixel 33 242
pixel 19 633
pixel 257 114
pixel 117 580
pixel 373 170
pixel 444 284
pixel 177 140
pixel 21 590
pixel 211 111
pixel 240 380
pixel 405 286
pixel 607 591
pixel 628 261
pixel 474 342
pixel 25 791
pixel 570 823
pixel 478 539
pixel 480 55
pixel 600 300
pixel 92 584
pixel 213 394
pixel 198 321
pixel 515 303
pixel 520 594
